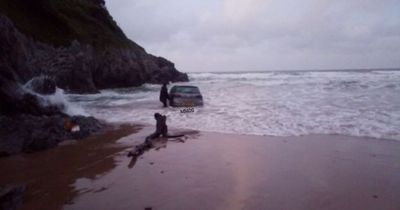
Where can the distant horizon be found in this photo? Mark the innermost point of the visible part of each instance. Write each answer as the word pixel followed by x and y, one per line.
pixel 299 70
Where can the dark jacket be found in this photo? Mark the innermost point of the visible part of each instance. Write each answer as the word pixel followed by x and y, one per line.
pixel 161 126
pixel 164 93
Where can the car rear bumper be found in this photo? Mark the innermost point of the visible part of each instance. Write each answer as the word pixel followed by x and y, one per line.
pixel 186 102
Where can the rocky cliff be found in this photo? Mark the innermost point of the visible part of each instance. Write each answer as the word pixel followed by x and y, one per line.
pixel 77 43
pixel 71 44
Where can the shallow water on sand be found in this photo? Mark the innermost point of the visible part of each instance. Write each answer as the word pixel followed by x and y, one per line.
pixel 49 175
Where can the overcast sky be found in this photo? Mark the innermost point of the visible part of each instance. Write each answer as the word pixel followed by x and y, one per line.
pixel 257 35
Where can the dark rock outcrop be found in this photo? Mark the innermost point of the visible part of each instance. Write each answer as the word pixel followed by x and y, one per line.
pixel 29 133
pixel 78 44
pixel 14 100
pixel 26 125
pixel 71 44
pixel 43 85
pixel 11 197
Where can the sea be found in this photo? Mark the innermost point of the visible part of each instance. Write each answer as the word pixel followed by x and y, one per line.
pixel 363 103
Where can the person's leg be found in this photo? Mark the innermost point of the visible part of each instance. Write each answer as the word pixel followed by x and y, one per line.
pixel 165 103
pixel 152 136
pixel 164 132
pixel 141 148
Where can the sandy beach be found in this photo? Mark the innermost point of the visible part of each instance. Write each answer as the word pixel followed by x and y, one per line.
pixel 207 170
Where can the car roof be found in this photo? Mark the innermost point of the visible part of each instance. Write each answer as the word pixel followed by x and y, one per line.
pixel 185 86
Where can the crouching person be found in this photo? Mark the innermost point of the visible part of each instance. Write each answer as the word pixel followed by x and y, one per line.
pixel 161 130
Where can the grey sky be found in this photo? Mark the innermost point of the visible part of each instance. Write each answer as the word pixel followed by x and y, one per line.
pixel 256 35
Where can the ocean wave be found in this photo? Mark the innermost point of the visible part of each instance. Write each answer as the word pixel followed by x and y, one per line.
pixel 281 104
pixel 59 99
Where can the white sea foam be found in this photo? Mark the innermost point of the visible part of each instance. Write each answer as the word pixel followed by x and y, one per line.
pixel 273 103
pixel 59 98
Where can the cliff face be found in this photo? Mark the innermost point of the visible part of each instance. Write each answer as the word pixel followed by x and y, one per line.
pixel 77 43
pixel 72 44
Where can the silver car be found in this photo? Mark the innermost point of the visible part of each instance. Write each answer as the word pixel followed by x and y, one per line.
pixel 185 95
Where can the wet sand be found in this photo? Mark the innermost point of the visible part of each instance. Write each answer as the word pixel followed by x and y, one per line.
pixel 50 175
pixel 211 171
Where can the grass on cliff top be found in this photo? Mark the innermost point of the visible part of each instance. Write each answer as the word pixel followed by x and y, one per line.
pixel 59 22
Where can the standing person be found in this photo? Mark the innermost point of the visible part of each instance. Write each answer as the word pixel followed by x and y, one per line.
pixel 164 94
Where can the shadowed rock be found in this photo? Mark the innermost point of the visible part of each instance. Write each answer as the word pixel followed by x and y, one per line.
pixel 43 85
pixel 11 197
pixel 27 126
pixel 28 133
pixel 73 45
pixel 83 52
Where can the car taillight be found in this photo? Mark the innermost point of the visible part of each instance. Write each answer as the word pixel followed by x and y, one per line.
pixel 177 95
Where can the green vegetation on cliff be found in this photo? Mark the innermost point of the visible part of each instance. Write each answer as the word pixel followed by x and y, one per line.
pixel 59 22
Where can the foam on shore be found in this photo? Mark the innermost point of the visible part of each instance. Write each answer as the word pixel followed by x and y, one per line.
pixel 273 103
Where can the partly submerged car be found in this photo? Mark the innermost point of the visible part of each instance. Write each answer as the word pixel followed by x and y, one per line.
pixel 185 95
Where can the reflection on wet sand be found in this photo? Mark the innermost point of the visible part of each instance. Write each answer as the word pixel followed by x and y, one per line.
pixel 49 175
pixel 222 171
pixel 211 171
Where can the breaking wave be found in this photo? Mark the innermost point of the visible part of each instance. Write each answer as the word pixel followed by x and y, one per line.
pixel 353 103
pixel 59 99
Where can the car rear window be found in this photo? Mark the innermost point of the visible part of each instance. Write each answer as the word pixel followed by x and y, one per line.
pixel 183 89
